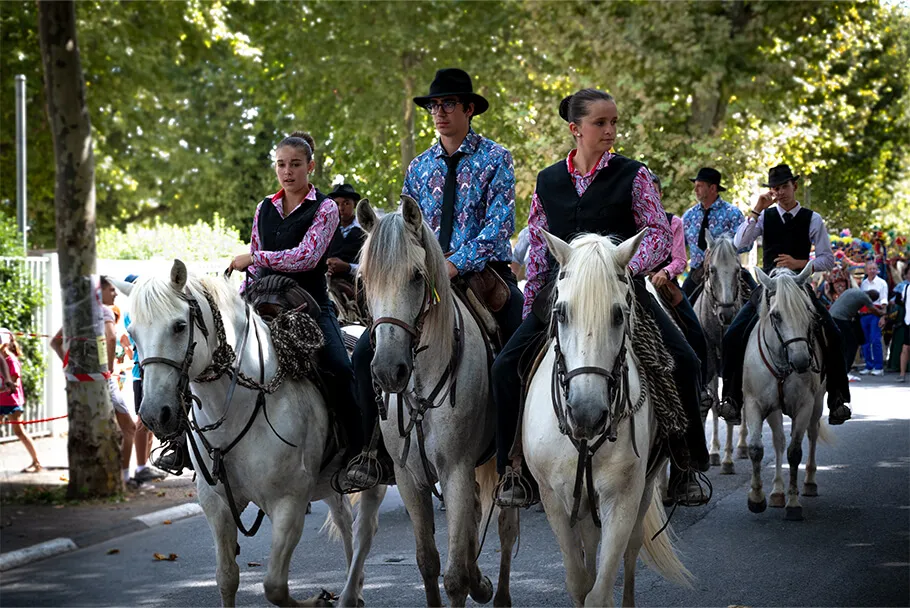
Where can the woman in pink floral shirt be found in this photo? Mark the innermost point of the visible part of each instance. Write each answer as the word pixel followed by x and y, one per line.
pixel 591 190
pixel 292 230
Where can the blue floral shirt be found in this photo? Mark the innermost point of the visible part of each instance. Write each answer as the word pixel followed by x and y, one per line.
pixel 724 218
pixel 484 199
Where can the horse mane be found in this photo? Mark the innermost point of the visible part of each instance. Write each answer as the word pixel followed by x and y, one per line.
pixel 154 298
pixel 722 251
pixel 592 277
pixel 389 258
pixel 791 300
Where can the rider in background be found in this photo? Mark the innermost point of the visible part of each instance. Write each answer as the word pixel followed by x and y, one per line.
pixel 344 249
pixel 789 231
pixel 465 187
pixel 292 230
pixel 592 190
pixel 712 215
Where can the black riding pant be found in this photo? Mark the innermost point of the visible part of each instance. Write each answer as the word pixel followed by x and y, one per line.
pixel 512 365
pixel 737 336
pixel 695 335
pixel 338 376
pixel 508 318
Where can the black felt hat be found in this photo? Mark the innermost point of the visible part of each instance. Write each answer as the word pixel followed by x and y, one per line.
pixel 781 174
pixel 452 81
pixel 345 190
pixel 709 176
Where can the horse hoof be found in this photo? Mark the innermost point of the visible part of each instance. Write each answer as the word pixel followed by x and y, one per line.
pixel 502 602
pixel 778 500
pixel 360 603
pixel 742 453
pixel 715 460
pixel 758 507
pixel 484 592
pixel 810 489
pixel 794 514
pixel 727 469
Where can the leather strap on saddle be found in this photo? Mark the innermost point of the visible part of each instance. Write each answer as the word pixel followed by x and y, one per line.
pixel 489 287
pixel 273 294
pixel 671 293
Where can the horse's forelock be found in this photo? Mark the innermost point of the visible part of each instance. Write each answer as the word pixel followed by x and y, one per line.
pixel 591 276
pixel 722 251
pixel 790 299
pixel 155 298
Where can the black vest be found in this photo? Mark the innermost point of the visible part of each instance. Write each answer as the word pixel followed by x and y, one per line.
pixel 277 234
pixel 791 238
pixel 347 248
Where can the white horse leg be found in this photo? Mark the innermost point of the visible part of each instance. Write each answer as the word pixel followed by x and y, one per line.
pixel 630 557
pixel 794 510
pixel 742 447
pixel 462 576
pixel 619 515
pixel 224 531
pixel 578 583
pixel 420 508
pixel 756 498
pixel 340 508
pixel 810 488
pixel 715 422
pixel 365 526
pixel 590 538
pixel 726 466
pixel 508 534
pixel 776 422
pixel 287 525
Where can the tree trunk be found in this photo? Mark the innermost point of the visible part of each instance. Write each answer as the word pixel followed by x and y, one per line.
pixel 408 149
pixel 93 447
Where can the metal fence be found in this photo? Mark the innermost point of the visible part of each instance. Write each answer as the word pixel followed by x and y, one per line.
pixel 36 271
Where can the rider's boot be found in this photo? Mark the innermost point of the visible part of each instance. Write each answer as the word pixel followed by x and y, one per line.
pixel 688 487
pixel 838 411
pixel 175 456
pixel 516 489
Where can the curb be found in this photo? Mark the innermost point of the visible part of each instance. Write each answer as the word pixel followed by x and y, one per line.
pixel 58 546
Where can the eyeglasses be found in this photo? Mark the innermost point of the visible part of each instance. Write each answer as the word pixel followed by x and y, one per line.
pixel 447 106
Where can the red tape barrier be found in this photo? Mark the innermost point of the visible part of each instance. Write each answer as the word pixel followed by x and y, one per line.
pixel 34 421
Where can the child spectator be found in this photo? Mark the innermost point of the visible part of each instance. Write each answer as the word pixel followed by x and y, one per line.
pixel 12 396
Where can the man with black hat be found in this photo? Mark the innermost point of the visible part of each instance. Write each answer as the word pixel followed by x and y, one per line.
pixel 465 186
pixel 713 216
pixel 343 251
pixel 789 231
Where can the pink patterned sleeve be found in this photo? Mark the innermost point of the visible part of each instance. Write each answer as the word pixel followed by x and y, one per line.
pixel 538 262
pixel 307 254
pixel 678 252
pixel 649 214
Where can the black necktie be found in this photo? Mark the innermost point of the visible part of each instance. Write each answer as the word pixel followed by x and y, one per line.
pixel 448 201
pixel 702 241
pixel 787 217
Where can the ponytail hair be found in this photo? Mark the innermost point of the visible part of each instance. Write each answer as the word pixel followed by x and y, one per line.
pixel 576 106
pixel 302 141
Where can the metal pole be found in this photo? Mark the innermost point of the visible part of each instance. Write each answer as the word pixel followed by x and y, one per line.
pixel 21 197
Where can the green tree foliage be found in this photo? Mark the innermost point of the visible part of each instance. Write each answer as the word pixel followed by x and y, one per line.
pixel 197 242
pixel 189 98
pixel 20 299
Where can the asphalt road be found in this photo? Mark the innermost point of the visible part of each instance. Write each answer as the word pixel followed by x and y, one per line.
pixel 852 549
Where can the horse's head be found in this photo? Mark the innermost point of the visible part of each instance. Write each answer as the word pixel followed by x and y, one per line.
pixel 788 309
pixel 722 277
pixel 591 323
pixel 407 288
pixel 171 323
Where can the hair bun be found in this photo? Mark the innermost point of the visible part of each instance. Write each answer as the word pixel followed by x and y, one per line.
pixel 305 137
pixel 564 108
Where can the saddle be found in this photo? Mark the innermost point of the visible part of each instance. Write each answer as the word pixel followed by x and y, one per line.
pixel 274 293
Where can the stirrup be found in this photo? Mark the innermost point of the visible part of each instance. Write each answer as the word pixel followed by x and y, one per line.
pixel 694 489
pixel 729 411
pixel 513 491
pixel 839 414
pixel 363 472
pixel 174 457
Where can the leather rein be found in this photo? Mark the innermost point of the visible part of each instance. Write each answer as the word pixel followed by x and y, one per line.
pixel 417 405
pixel 618 398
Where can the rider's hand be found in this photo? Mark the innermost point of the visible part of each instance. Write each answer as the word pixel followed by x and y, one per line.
pixel 788 261
pixel 453 271
pixel 241 262
pixel 764 201
pixel 337 266
pixel 660 278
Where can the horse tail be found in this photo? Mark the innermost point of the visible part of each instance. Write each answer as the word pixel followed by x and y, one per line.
pixel 660 553
pixel 824 433
pixel 487 478
pixel 329 527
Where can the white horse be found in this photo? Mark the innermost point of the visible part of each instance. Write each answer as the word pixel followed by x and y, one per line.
pixel 432 365
pixel 782 375
pixel 590 367
pixel 720 300
pixel 272 458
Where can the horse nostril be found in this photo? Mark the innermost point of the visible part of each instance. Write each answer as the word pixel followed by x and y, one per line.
pixel 401 372
pixel 165 415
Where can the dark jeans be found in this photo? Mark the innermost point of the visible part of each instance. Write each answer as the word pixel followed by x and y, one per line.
pixel 695 335
pixel 338 376
pixel 737 337
pixel 848 335
pixel 509 318
pixel 512 365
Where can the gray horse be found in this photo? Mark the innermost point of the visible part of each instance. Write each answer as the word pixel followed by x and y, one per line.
pixel 431 364
pixel 716 308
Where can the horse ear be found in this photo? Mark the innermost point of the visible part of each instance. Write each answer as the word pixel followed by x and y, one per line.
pixel 560 249
pixel 122 286
pixel 709 239
pixel 366 217
pixel 626 250
pixel 804 274
pixel 178 275
pixel 413 216
pixel 763 278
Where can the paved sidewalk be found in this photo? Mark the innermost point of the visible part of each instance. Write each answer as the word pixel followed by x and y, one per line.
pixel 33 508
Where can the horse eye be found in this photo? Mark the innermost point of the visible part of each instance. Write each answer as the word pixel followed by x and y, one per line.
pixel 560 311
pixel 618 317
pixel 179 326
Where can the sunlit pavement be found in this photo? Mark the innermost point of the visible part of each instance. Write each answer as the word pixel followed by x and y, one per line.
pixel 852 549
